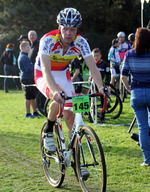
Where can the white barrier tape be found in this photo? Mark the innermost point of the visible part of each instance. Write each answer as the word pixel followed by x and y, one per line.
pixel 9 76
pixel 116 125
pixel 31 85
pixel 80 82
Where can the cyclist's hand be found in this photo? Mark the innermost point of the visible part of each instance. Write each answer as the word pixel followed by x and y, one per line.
pixel 57 97
pixel 109 90
pixel 101 90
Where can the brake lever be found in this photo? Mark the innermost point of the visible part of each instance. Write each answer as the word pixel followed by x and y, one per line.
pixel 63 97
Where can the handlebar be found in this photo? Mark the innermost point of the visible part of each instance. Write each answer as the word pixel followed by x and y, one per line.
pixel 61 107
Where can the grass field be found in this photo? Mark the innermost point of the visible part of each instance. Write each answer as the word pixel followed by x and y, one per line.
pixel 20 163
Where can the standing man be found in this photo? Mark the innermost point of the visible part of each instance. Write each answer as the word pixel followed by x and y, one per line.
pixel 57 49
pixel 32 36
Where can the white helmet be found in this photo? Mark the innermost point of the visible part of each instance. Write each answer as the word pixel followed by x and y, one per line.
pixel 69 17
pixel 121 34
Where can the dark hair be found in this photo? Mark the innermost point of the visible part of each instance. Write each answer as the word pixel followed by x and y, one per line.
pixel 142 41
pixel 97 50
pixel 114 41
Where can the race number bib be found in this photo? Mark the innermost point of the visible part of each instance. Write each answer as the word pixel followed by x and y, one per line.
pixel 81 104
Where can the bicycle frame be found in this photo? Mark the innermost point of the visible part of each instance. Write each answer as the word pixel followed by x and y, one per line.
pixel 78 122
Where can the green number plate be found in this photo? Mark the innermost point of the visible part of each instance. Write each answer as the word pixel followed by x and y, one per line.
pixel 81 104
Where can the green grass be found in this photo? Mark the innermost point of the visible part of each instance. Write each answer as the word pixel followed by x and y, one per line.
pixel 20 163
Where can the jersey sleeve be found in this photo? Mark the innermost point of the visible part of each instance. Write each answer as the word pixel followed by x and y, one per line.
pixel 83 46
pixel 46 44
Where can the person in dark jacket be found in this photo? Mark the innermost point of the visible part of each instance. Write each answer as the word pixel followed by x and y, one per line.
pixel 104 69
pixel 9 61
pixel 27 79
pixel 32 36
pixel 34 42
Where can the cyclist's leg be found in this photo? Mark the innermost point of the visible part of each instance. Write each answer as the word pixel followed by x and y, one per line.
pixel 113 76
pixel 49 143
pixel 69 119
pixel 117 82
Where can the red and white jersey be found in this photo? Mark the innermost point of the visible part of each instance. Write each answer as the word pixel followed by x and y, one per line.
pixel 51 45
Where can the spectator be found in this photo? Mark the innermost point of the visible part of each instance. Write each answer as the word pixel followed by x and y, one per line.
pixel 105 73
pixel 137 62
pixel 27 78
pixel 32 36
pixel 115 61
pixel 23 38
pixel 76 74
pixel 9 61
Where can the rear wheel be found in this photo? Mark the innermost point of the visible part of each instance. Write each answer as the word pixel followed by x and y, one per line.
pixel 89 154
pixel 53 165
pixel 40 101
pixel 113 110
pixel 46 106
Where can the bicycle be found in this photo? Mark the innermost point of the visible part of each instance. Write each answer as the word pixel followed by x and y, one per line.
pixel 114 105
pixel 88 153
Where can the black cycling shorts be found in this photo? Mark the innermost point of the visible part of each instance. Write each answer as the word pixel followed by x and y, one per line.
pixel 30 92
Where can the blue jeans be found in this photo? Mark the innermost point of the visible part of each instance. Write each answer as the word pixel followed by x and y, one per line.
pixel 140 102
pixel 10 70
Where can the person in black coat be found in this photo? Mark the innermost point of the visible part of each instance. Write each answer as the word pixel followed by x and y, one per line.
pixel 9 61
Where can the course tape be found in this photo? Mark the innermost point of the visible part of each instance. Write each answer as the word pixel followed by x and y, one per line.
pixel 115 125
pixel 31 85
pixel 9 76
pixel 17 77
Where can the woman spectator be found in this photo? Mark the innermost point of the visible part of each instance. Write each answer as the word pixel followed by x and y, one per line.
pixel 9 61
pixel 137 62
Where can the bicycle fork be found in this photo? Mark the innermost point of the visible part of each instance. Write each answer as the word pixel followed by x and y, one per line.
pixel 66 154
pixel 88 140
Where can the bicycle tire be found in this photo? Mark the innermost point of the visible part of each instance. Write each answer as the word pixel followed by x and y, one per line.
pixel 40 100
pixel 98 177
pixel 46 107
pixel 116 101
pixel 53 165
pixel 113 110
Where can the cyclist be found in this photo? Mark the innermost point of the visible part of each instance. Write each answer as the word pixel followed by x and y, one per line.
pixel 131 38
pixel 115 61
pixel 57 49
pixel 123 45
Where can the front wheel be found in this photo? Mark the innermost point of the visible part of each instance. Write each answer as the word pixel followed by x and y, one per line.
pixel 89 154
pixel 53 166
